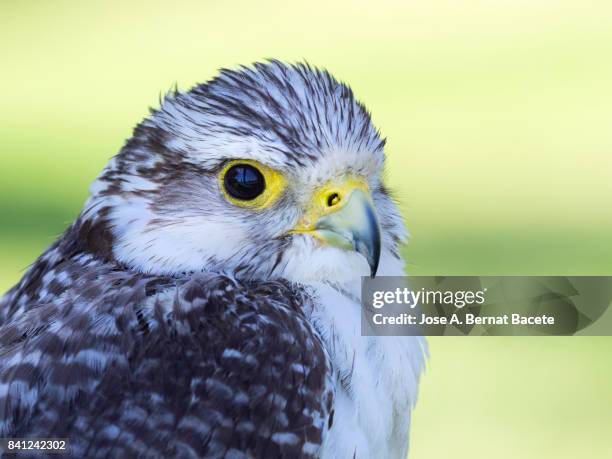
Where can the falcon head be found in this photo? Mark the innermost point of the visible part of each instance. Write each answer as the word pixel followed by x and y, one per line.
pixel 272 171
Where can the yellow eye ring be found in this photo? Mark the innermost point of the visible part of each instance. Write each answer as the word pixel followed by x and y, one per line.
pixel 249 184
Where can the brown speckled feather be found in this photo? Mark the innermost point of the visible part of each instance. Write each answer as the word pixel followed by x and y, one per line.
pixel 129 365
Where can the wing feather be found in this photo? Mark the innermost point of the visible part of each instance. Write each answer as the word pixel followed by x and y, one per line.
pixel 130 365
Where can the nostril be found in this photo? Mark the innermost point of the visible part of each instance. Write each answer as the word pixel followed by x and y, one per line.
pixel 333 199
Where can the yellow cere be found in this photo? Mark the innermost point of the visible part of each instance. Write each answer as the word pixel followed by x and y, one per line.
pixel 329 198
pixel 275 185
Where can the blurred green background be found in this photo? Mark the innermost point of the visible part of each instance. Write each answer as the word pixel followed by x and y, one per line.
pixel 499 120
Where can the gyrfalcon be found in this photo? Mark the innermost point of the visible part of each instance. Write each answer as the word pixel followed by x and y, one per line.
pixel 206 301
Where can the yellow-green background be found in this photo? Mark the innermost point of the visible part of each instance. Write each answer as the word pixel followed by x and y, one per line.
pixel 499 119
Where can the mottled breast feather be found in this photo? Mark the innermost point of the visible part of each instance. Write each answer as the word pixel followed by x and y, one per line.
pixel 131 365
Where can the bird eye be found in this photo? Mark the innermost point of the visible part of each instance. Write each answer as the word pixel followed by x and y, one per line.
pixel 250 184
pixel 244 182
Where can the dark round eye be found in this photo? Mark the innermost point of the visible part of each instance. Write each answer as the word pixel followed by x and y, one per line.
pixel 244 182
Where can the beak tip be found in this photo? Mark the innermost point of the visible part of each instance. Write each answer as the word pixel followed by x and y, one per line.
pixel 373 269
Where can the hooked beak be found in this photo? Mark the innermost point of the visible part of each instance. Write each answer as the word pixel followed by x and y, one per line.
pixel 349 224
